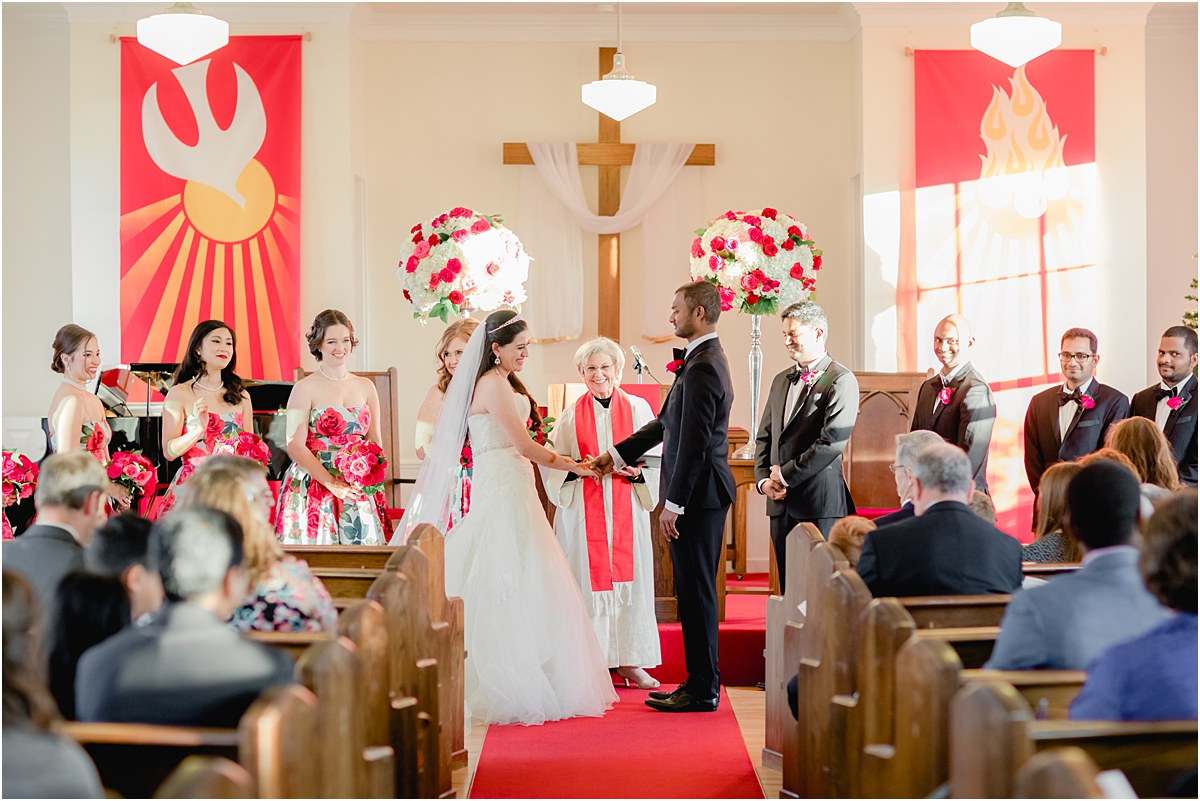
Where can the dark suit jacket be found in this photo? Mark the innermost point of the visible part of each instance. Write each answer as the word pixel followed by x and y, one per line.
pixel 1180 427
pixel 693 428
pixel 1043 444
pixel 903 513
pixel 184 668
pixel 43 555
pixel 946 551
pixel 966 421
pixel 808 446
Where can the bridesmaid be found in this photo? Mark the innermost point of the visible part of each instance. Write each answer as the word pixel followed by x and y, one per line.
pixel 449 350
pixel 328 410
pixel 207 399
pixel 76 415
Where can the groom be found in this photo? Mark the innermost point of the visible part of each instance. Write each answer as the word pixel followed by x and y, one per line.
pixel 696 486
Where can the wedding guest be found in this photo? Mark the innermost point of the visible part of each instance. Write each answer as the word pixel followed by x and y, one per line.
pixel 1171 403
pixel 37 762
pixel 1153 677
pixel 121 549
pixel 1067 622
pixel 70 503
pixel 207 400
pixel 848 535
pixel 604 527
pixel 1106 454
pixel 1148 450
pixel 956 403
pixel 1052 542
pixel 76 418
pixel 284 594
pixel 91 609
pixel 806 425
pixel 907 447
pixel 186 667
pixel 982 507
pixel 328 410
pixel 1071 420
pixel 450 349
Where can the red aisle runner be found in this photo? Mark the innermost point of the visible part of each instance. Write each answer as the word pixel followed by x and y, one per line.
pixel 632 752
pixel 741 640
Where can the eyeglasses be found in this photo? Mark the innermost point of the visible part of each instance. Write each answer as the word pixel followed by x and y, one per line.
pixel 895 468
pixel 1081 358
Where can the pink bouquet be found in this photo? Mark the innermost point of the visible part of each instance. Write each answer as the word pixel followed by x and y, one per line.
pixel 362 464
pixel 132 471
pixel 20 477
pixel 244 443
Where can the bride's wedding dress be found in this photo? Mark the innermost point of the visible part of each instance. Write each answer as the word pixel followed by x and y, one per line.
pixel 532 655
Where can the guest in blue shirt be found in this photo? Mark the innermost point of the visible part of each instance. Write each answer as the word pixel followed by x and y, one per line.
pixel 1153 677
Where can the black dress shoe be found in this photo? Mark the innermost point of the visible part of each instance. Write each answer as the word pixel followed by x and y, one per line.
pixel 662 696
pixel 684 702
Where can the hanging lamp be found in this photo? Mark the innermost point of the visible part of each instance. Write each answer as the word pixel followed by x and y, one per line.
pixel 183 33
pixel 618 94
pixel 1015 35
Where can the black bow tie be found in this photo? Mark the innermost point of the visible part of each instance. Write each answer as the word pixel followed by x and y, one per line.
pixel 680 354
pixel 796 376
pixel 1064 397
pixel 1160 393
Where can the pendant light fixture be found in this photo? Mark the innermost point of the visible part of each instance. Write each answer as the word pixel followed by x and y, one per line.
pixel 617 94
pixel 183 33
pixel 1015 36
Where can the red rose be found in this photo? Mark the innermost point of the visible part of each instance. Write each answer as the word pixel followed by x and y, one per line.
pixel 456 298
pixel 417 238
pixel 732 244
pixel 338 440
pixel 756 235
pixel 749 282
pixel 412 265
pixel 794 230
pixel 407 296
pixel 312 443
pixel 717 243
pixel 434 239
pixel 114 470
pixel 363 418
pixel 460 234
pixel 727 297
pixel 314 512
pixel 697 248
pixel 454 265
pixel 770 249
pixel 416 229
pixel 480 226
pixel 459 211
pixel 96 440
pixel 752 221
pixel 751 299
pixel 715 262
pixel 447 275
pixel 674 365
pixel 816 262
pixel 329 423
pixel 492 268
pixel 797 271
pixel 215 425
pixel 421 250
pixel 729 215
pixel 434 280
pixel 787 244
pixel 769 213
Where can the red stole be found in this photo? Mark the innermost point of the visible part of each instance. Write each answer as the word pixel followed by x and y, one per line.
pixel 603 569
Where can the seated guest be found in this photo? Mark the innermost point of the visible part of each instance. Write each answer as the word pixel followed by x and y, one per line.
pixel 1149 452
pixel 848 534
pixel 1052 543
pixel 70 506
pixel 1107 455
pixel 37 762
pixel 945 549
pixel 1150 494
pixel 1064 624
pixel 91 609
pixel 285 596
pixel 185 667
pixel 1153 677
pixel 982 507
pixel 121 550
pixel 907 448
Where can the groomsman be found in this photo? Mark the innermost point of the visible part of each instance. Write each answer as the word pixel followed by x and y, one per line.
pixel 805 426
pixel 1072 419
pixel 1171 403
pixel 956 403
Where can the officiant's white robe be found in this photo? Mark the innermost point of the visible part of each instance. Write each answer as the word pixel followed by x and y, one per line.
pixel 622 617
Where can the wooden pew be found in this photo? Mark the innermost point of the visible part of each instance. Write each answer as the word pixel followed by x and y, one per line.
pixel 365 557
pixel 1048 570
pixel 1048 692
pixel 784 612
pixel 886 626
pixel 333 671
pixel 278 743
pixel 956 611
pixel 1059 773
pixel 346 582
pixel 994 734
pixel 973 645
pixel 294 642
pixel 364 625
pixel 207 777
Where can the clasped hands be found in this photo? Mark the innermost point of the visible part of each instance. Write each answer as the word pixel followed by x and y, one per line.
pixel 773 487
pixel 603 464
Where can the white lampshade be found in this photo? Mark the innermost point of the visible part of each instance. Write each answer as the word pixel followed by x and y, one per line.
pixel 1015 36
pixel 619 98
pixel 182 33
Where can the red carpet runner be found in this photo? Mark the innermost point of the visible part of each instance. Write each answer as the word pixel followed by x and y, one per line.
pixel 741 640
pixel 632 752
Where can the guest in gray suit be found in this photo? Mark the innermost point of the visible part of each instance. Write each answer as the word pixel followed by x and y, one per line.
pixel 186 667
pixel 70 507
pixel 1064 624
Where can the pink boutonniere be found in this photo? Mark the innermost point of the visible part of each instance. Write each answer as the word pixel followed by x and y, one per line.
pixel 809 378
pixel 1174 402
pixel 674 365
pixel 1087 401
pixel 944 395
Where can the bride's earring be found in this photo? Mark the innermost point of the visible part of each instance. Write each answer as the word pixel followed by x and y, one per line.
pixel 497 360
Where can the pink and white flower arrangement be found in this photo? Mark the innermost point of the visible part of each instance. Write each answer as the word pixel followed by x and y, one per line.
pixel 245 444
pixel 460 261
pixel 20 477
pixel 761 261
pixel 132 471
pixel 362 464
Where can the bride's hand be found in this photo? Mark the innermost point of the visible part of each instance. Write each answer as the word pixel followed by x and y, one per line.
pixel 584 470
pixel 343 491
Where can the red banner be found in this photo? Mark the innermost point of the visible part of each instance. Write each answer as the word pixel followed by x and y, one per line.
pixel 210 201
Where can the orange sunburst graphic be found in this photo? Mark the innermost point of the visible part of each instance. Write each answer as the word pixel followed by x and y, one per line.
pixel 210 202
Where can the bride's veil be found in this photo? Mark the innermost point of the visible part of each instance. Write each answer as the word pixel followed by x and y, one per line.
pixel 438 479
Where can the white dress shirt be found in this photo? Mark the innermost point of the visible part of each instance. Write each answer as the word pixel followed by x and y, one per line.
pixel 946 379
pixel 1164 411
pixel 1066 412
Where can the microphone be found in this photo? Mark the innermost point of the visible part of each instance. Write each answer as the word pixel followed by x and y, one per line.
pixel 638 358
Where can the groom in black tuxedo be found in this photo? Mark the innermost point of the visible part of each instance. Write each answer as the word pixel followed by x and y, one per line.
pixel 1171 403
pixel 696 486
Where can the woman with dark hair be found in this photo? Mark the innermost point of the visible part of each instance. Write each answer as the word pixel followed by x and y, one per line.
pixel 1052 542
pixel 91 609
pixel 532 655
pixel 328 410
pixel 207 400
pixel 38 763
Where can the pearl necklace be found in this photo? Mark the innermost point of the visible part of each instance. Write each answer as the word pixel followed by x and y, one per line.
pixel 196 383
pixel 75 383
pixel 331 378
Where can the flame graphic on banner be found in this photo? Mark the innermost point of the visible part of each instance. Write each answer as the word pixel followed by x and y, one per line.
pixel 1024 162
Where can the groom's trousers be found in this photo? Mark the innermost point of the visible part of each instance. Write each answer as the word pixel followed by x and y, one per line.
pixel 695 557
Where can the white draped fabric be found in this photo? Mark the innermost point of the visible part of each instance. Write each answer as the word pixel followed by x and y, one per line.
pixel 555 286
pixel 667 234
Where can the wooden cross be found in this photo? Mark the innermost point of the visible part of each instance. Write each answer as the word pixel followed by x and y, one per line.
pixel 609 155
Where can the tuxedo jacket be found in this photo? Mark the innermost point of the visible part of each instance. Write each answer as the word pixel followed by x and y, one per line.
pixel 1044 445
pixel 693 428
pixel 966 421
pixel 808 446
pixel 1180 427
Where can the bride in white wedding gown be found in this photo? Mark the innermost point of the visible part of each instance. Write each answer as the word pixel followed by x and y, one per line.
pixel 532 655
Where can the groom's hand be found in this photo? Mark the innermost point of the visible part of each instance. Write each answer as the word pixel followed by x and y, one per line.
pixel 602 464
pixel 666 522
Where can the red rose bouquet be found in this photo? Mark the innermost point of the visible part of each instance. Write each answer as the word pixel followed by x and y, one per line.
pixel 362 464
pixel 20 477
pixel 246 444
pixel 132 471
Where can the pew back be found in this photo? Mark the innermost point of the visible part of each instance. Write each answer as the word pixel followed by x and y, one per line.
pixel 1059 773
pixel 333 671
pixel 364 625
pixel 367 557
pixel 277 740
pixel 956 611
pixel 926 679
pixel 207 777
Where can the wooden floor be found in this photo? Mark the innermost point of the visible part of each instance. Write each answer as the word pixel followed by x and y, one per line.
pixel 749 707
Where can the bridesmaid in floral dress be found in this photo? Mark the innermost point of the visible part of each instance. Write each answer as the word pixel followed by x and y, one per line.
pixel 326 411
pixel 207 399
pixel 76 415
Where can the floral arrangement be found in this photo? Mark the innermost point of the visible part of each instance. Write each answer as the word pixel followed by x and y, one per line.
pixel 459 261
pixel 132 471
pixel 541 433
pixel 944 395
pixel 243 443
pixel 362 464
pixel 761 261
pixel 1087 401
pixel 467 458
pixel 1174 402
pixel 20 477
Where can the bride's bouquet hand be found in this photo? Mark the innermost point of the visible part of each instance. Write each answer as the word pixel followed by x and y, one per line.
pixel 344 492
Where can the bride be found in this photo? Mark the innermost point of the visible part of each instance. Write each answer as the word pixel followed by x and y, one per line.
pixel 532 655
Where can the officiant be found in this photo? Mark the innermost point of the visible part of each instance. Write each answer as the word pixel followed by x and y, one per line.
pixel 604 526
